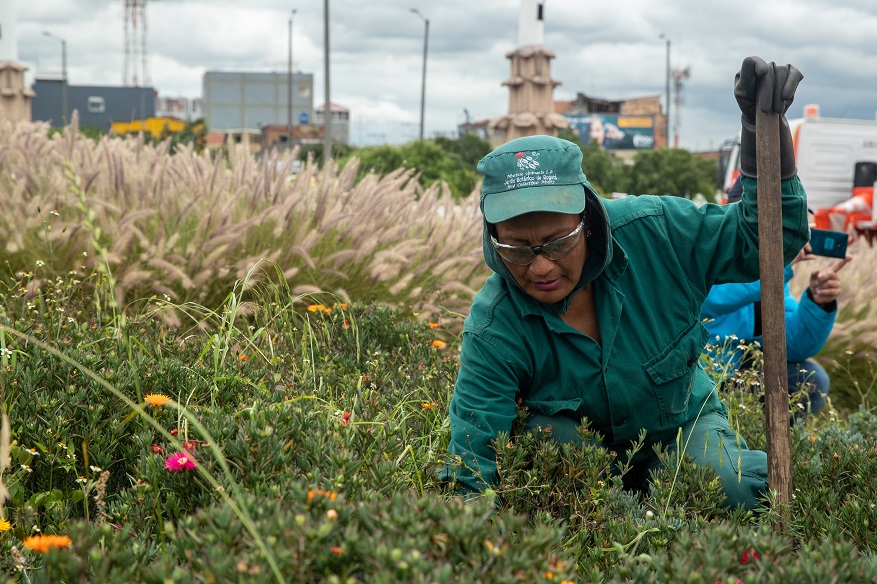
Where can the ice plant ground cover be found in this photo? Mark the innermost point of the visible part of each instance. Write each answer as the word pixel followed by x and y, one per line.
pixel 317 460
pixel 317 434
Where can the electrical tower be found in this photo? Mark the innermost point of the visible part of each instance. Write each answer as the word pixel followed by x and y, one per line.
pixel 136 70
pixel 679 75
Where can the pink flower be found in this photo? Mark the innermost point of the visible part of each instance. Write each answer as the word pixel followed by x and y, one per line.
pixel 180 461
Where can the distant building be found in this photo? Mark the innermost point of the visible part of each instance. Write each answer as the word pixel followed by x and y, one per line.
pixel 624 124
pixel 340 122
pixel 15 98
pixel 180 108
pixel 531 87
pixel 248 101
pixel 98 106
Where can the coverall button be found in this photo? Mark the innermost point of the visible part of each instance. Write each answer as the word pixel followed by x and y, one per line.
pixel 620 422
pixel 690 361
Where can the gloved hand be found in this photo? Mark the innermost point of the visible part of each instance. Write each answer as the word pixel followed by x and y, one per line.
pixel 780 82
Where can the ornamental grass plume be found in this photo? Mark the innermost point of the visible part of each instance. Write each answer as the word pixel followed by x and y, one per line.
pixel 43 543
pixel 180 461
pixel 183 226
pixel 156 399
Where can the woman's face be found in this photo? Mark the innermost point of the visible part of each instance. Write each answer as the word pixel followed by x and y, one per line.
pixel 545 280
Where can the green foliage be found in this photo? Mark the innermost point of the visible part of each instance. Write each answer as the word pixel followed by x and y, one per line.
pixel 671 171
pixel 606 173
pixel 668 171
pixel 442 160
pixel 318 433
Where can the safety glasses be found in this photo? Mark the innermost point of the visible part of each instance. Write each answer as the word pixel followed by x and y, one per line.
pixel 523 255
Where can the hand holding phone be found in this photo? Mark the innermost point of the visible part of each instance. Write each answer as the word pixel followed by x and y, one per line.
pixel 831 244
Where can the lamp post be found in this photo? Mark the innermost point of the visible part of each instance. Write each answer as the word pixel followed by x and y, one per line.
pixel 667 105
pixel 423 81
pixel 327 109
pixel 289 87
pixel 63 74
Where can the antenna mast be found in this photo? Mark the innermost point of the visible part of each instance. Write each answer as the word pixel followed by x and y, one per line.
pixel 136 68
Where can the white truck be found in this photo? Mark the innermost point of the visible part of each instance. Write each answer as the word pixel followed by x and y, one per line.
pixel 827 151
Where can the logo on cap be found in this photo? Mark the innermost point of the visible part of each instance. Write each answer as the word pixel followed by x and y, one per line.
pixel 527 161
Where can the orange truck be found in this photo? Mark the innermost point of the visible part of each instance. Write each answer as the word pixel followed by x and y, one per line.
pixel 837 164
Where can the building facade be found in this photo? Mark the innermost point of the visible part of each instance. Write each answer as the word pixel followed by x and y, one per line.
pixel 234 100
pixel 98 106
pixel 339 119
pixel 623 124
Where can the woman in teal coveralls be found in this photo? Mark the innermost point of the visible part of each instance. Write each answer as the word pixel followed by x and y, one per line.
pixel 594 307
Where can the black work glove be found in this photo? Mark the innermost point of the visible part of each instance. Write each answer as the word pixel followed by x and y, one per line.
pixel 781 82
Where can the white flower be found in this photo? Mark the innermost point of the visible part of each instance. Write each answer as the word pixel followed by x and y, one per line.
pixel 40 263
pixel 6 352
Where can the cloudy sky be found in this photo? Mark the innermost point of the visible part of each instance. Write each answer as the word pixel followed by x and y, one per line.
pixel 611 50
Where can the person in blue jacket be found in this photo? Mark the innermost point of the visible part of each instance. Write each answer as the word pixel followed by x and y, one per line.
pixel 732 314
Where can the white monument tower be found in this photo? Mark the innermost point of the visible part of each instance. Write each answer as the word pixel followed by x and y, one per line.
pixel 15 98
pixel 531 89
pixel 531 23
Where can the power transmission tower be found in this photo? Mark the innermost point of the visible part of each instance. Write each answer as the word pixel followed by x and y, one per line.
pixel 679 75
pixel 136 69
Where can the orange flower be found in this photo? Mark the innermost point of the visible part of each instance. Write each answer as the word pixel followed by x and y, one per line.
pixel 318 493
pixel 342 306
pixel 43 543
pixel 316 307
pixel 327 310
pixel 156 399
pixel 243 357
pixel 438 344
pixel 428 406
pixel 433 325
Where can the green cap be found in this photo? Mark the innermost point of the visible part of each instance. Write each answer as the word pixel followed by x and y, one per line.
pixel 534 173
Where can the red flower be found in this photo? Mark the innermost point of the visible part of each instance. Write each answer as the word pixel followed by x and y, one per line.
pixel 749 554
pixel 337 550
pixel 174 432
pixel 190 445
pixel 345 418
pixel 157 449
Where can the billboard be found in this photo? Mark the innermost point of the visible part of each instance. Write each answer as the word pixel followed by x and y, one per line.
pixel 614 131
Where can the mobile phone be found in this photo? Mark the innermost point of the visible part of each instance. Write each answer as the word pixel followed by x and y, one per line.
pixel 831 244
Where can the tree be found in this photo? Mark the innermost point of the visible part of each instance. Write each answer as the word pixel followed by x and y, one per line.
pixel 671 171
pixel 442 159
pixel 605 172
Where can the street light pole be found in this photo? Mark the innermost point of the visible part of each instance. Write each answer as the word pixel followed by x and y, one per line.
pixel 423 81
pixel 289 87
pixel 327 108
pixel 63 75
pixel 667 114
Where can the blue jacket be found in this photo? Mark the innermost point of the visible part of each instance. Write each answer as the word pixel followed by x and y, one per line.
pixel 729 310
